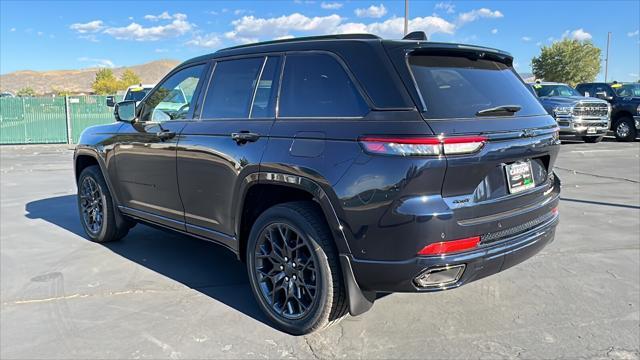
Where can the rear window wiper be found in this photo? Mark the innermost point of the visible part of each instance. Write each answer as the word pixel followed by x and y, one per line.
pixel 509 109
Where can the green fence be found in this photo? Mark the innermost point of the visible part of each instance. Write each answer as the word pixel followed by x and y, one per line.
pixel 50 120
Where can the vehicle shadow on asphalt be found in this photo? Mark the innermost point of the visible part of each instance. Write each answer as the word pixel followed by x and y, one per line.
pixel 203 266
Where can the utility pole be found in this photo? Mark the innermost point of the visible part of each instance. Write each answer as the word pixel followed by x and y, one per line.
pixel 406 17
pixel 606 60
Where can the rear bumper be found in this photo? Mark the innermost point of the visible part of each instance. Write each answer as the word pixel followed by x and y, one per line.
pixel 488 259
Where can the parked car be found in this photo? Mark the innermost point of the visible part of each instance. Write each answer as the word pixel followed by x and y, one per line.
pixel 625 106
pixel 6 94
pixel 337 167
pixel 579 117
pixel 134 92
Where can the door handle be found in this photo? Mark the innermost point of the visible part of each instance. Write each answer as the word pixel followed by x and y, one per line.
pixel 244 137
pixel 165 135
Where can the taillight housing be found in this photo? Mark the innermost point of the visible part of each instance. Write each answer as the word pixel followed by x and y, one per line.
pixel 422 146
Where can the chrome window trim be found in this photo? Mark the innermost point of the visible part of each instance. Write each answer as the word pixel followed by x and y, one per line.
pixel 255 88
pixel 215 65
pixel 206 91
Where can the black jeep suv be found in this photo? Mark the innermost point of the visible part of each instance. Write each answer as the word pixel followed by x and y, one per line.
pixel 336 167
pixel 625 106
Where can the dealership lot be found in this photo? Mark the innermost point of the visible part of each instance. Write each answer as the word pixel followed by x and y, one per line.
pixel 162 295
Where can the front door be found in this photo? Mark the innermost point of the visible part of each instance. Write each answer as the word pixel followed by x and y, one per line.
pixel 146 149
pixel 218 150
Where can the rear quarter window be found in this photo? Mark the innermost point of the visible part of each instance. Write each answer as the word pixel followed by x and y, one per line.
pixel 316 85
pixel 459 87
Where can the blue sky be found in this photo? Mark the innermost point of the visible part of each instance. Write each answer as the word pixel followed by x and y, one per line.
pixel 77 34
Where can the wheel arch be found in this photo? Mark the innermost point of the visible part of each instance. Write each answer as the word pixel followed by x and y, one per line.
pixel 620 114
pixel 87 156
pixel 300 188
pixel 276 188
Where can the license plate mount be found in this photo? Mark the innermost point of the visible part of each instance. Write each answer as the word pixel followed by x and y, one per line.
pixel 519 176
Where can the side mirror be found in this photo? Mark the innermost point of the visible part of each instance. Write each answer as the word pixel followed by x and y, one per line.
pixel 125 111
pixel 603 95
pixel 110 101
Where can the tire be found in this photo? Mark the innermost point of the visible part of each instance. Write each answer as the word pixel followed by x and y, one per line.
pixel 106 229
pixel 326 304
pixel 625 129
pixel 592 139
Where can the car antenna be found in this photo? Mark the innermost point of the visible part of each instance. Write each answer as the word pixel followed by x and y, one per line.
pixel 416 35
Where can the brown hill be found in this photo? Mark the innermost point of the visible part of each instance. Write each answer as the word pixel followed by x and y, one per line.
pixel 78 81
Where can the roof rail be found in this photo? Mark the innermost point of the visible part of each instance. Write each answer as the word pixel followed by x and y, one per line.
pixel 309 38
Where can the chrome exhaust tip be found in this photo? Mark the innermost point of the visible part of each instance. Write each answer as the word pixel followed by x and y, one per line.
pixel 440 276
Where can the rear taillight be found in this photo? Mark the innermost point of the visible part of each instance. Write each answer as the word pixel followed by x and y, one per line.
pixel 463 144
pixel 447 247
pixel 422 146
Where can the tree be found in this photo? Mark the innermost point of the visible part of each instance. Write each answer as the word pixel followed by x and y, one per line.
pixel 105 82
pixel 129 78
pixel 568 61
pixel 61 92
pixel 26 92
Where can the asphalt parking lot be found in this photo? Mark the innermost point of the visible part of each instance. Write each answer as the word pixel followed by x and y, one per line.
pixel 162 295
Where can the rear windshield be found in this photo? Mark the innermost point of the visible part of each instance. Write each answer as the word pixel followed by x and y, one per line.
pixel 459 87
pixel 555 90
pixel 136 95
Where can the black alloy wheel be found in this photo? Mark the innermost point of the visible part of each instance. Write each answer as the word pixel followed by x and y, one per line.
pixel 286 270
pixel 91 205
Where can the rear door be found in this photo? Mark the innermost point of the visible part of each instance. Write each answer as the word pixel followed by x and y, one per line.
pixel 511 173
pixel 226 143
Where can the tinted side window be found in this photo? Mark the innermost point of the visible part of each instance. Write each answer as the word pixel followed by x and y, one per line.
pixel 264 103
pixel 316 85
pixel 231 89
pixel 172 99
pixel 582 88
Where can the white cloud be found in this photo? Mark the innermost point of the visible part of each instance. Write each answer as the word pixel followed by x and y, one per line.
pixel 578 34
pixel 164 16
pixel 526 38
pixel 448 7
pixel 208 41
pixel 330 5
pixel 394 27
pixel 372 11
pixel 633 75
pixel 91 26
pixel 134 31
pixel 250 28
pixel 13 30
pixel 40 33
pixel 97 62
pixel 633 33
pixel 494 31
pixel 284 37
pixel 90 37
pixel 476 14
pixel 161 50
